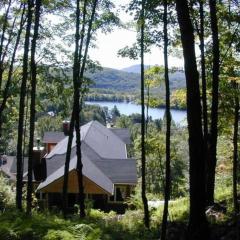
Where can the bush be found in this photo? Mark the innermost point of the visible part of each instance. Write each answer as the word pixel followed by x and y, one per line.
pixel 7 234
pixel 58 235
pixel 7 194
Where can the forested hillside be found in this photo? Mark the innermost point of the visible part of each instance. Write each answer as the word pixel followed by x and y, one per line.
pixel 128 81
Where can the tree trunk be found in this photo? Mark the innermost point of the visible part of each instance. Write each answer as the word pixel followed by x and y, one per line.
pixel 143 151
pixel 235 159
pixel 168 127
pixel 79 106
pixel 10 73
pixel 198 227
pixel 147 115
pixel 77 112
pixel 204 88
pixel 67 163
pixel 203 73
pixel 78 71
pixel 73 118
pixel 32 105
pixel 4 27
pixel 212 161
pixel 21 109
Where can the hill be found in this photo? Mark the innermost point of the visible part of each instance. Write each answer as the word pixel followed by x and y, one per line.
pixel 113 79
pixel 134 68
pixel 126 81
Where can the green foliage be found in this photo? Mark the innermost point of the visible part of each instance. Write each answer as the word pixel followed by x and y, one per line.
pixel 155 160
pixel 7 193
pixel 178 99
pixel 15 225
pixel 114 113
pixel 47 124
pixel 93 112
pixel 58 235
pixel 154 76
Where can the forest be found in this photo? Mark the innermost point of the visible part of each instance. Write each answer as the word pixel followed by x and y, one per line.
pixel 187 175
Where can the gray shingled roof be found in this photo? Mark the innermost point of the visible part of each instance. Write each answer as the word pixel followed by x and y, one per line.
pixel 122 133
pixel 118 170
pixel 6 168
pixel 13 168
pixel 103 155
pixel 89 170
pixel 98 137
pixel 53 137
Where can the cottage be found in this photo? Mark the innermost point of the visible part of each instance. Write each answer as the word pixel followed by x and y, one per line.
pixel 109 175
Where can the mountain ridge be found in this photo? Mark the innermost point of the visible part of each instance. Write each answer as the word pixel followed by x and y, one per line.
pixel 128 81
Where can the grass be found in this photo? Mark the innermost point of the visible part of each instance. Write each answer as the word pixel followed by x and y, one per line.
pixel 15 225
pixel 97 225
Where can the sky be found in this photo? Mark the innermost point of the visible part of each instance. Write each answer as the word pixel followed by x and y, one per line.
pixel 109 44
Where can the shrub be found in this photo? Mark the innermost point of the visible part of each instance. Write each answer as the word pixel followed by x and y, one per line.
pixel 7 193
pixel 58 235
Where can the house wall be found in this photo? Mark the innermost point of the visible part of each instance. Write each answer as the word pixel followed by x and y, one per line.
pixel 50 146
pixel 89 186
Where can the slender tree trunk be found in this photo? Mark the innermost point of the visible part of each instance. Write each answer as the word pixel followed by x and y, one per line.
pixel 212 161
pixel 235 160
pixel 10 73
pixel 147 115
pixel 4 27
pixel 32 105
pixel 78 71
pixel 10 39
pixel 77 112
pixel 73 118
pixel 198 227
pixel 21 109
pixel 203 73
pixel 79 106
pixel 67 163
pixel 89 32
pixel 204 87
pixel 143 150
pixel 168 127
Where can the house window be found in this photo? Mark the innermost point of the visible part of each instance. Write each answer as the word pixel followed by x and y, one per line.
pixel 119 194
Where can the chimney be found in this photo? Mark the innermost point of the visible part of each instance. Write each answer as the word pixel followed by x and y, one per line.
pixel 39 162
pixel 66 127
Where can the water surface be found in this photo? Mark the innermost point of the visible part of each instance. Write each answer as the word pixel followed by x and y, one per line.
pixel 179 116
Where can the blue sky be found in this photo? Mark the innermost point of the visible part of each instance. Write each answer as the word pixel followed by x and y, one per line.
pixel 108 46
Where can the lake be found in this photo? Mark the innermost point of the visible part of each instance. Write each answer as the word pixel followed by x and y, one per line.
pixel 179 116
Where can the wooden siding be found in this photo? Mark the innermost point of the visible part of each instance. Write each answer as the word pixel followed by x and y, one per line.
pixel 50 146
pixel 89 186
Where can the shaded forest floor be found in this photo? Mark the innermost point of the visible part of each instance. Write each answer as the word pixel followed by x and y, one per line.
pixel 110 226
pixel 98 225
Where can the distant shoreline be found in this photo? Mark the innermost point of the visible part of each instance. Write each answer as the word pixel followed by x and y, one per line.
pixel 133 102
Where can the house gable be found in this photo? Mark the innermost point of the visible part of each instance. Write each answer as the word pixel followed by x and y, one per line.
pixel 104 159
pixel 89 186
